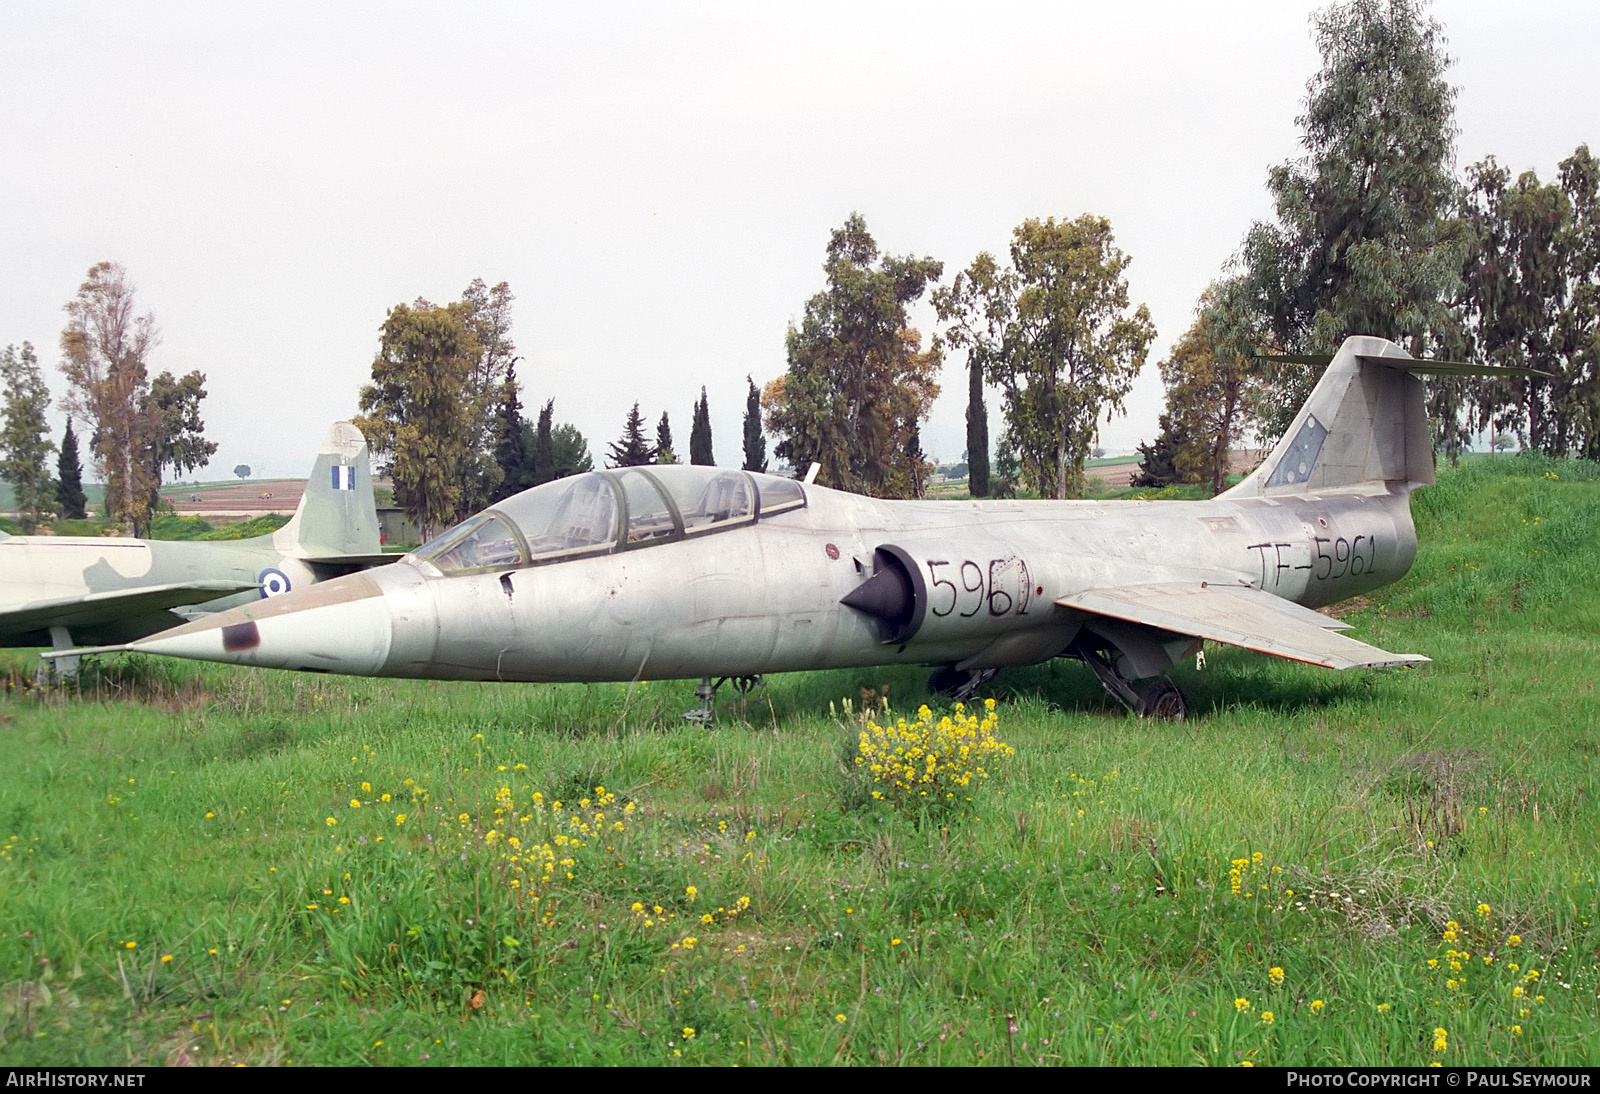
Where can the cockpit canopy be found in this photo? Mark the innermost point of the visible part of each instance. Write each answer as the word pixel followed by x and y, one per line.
pixel 605 511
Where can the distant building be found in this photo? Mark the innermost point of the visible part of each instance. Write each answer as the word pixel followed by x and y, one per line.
pixel 395 529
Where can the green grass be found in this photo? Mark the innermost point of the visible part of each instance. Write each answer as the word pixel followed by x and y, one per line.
pixel 1106 898
pixel 195 528
pixel 169 527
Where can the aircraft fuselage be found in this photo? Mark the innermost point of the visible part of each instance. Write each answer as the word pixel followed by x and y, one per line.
pixel 767 597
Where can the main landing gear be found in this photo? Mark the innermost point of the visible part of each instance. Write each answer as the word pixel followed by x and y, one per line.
pixel 53 671
pixel 1160 698
pixel 742 686
pixel 949 682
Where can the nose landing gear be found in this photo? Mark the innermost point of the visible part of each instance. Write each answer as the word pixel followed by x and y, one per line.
pixel 707 691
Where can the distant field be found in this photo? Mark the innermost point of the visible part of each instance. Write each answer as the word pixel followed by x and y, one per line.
pixel 236 495
pixel 214 865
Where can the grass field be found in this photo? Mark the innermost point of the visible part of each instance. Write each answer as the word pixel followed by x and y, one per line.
pixel 211 865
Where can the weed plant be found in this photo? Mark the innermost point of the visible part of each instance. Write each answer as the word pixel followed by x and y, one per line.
pixel 203 864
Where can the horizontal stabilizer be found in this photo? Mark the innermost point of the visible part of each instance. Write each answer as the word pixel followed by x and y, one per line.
pixel 360 561
pixel 1419 366
pixel 1238 616
pixel 1450 368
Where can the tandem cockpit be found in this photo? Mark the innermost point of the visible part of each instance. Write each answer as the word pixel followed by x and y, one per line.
pixel 600 512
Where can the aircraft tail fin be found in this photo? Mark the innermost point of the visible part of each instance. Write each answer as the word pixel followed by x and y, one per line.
pixel 1366 422
pixel 337 514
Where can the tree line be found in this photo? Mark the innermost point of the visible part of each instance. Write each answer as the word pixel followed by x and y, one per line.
pixel 443 414
pixel 1372 233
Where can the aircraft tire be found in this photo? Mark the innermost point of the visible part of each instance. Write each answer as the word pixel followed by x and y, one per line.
pixel 1161 699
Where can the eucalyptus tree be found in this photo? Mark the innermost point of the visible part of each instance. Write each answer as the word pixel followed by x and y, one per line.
pixel 1055 330
pixel 140 426
pixel 1532 299
pixel 417 414
pixel 1364 240
pixel 858 381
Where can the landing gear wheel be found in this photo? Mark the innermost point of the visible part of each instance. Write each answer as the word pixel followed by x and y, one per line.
pixel 1161 699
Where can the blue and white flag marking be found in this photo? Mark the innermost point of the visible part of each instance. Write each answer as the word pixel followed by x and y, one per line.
pixel 344 478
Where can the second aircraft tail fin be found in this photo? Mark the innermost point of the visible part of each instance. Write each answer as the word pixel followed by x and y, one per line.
pixel 337 515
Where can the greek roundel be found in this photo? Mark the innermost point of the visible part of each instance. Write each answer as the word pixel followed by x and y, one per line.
pixel 273 583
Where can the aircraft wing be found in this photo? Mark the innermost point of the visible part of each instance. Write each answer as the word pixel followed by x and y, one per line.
pixel 97 609
pixel 1238 616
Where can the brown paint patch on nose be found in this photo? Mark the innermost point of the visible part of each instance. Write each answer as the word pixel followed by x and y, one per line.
pixel 241 636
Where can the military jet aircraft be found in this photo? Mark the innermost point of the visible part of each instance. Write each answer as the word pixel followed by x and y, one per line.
pixel 683 571
pixel 55 590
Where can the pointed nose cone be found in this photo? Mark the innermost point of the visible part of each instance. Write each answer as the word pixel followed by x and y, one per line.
pixel 342 626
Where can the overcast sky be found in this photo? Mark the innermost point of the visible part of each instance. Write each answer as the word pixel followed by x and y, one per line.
pixel 656 182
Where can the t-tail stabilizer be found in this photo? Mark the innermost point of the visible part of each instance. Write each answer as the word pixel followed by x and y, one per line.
pixel 1366 423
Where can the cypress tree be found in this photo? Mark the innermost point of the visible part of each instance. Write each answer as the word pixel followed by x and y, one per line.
pixel 977 431
pixel 664 449
pixel 700 433
pixel 544 447
pixel 69 479
pixel 755 441
pixel 511 447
